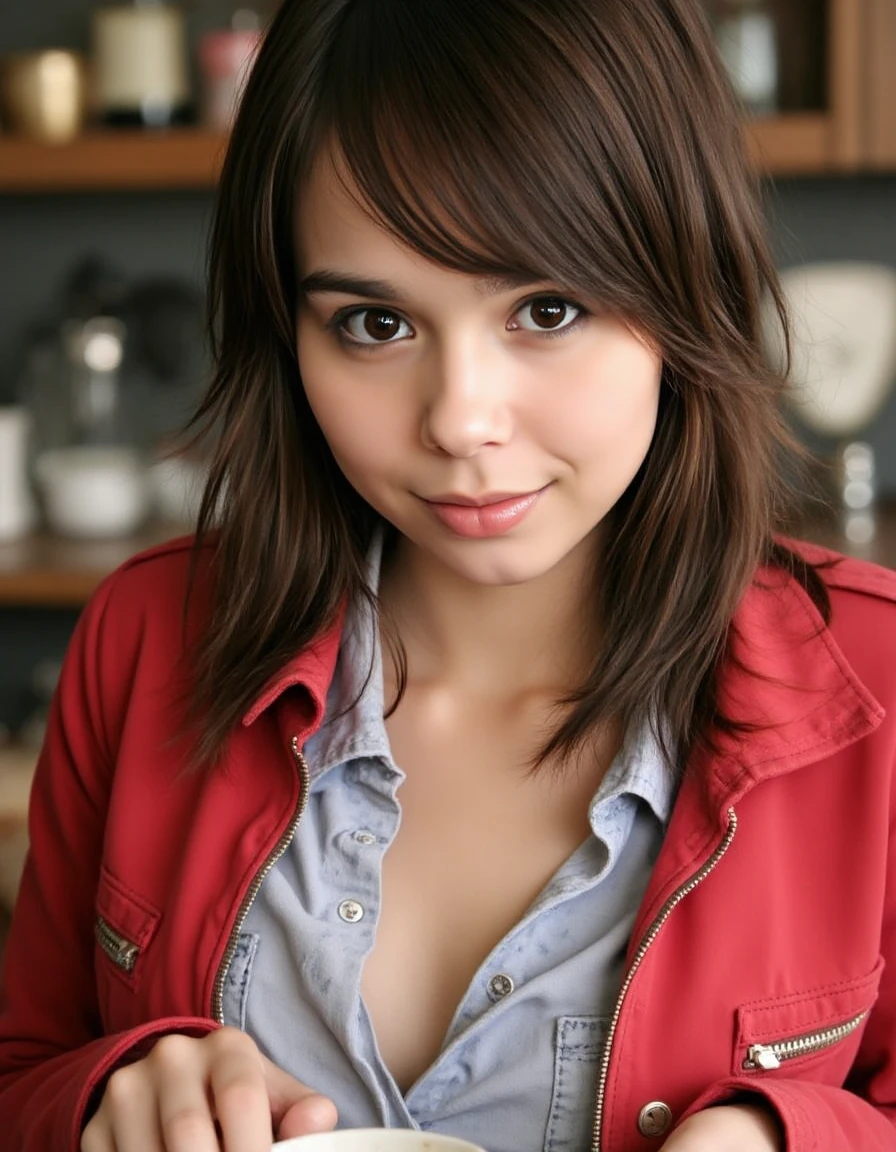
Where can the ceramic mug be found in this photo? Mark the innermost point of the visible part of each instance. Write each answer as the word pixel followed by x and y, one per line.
pixel 376 1140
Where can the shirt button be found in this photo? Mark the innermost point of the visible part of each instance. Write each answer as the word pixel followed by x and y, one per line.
pixel 365 838
pixel 350 911
pixel 654 1119
pixel 499 986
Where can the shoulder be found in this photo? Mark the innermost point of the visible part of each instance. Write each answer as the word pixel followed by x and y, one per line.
pixel 162 568
pixel 853 585
pixel 154 584
pixel 148 610
pixel 862 608
pixel 847 574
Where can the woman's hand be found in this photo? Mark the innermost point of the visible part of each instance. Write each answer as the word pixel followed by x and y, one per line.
pixel 203 1095
pixel 728 1128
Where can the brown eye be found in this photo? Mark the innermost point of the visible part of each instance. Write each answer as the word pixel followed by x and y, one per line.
pixel 375 326
pixel 381 325
pixel 547 314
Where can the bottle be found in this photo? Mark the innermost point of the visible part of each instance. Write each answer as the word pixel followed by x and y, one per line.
pixel 17 510
pixel 141 64
pixel 746 33
pixel 226 56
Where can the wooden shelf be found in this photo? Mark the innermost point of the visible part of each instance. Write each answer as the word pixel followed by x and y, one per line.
pixel 44 571
pixel 797 144
pixel 113 161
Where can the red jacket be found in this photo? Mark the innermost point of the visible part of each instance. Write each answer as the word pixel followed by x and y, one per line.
pixel 769 917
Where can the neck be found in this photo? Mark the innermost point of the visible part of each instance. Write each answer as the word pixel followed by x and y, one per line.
pixel 493 641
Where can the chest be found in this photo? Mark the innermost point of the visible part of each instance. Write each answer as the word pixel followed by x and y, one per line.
pixel 480 836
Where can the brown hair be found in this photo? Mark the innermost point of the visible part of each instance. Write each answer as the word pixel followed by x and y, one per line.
pixel 593 143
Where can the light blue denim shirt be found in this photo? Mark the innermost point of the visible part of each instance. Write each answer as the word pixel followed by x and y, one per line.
pixel 518 1066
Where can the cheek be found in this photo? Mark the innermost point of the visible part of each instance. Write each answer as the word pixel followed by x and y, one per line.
pixel 610 411
pixel 354 421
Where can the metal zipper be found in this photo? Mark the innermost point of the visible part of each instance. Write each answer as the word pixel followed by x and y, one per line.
pixel 279 848
pixel 122 952
pixel 650 935
pixel 770 1056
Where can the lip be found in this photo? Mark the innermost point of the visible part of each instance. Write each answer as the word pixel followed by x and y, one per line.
pixel 477 501
pixel 483 517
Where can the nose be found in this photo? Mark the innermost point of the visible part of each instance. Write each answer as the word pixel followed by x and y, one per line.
pixel 467 404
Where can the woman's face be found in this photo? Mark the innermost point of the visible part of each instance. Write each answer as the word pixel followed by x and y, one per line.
pixel 493 423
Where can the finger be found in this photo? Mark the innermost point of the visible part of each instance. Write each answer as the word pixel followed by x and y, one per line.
pixel 179 1071
pixel 127 1119
pixel 96 1136
pixel 296 1109
pixel 314 1113
pixel 240 1098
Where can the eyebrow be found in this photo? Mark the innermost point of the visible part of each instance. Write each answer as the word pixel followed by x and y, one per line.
pixel 327 280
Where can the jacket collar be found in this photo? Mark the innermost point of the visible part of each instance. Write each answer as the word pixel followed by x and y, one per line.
pixel 788 679
pixel 311 672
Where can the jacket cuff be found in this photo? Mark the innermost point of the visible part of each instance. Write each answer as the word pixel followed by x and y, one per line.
pixel 128 1048
pixel 813 1117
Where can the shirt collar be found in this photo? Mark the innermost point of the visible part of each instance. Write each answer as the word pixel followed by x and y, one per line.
pixel 354 725
pixel 638 769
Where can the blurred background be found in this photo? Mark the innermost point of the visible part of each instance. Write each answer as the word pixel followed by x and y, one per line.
pixel 113 122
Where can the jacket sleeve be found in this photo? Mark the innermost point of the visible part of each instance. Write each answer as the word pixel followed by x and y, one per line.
pixel 53 1051
pixel 815 1117
pixel 860 1117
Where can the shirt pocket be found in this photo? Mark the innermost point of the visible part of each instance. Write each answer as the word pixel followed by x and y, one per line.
pixel 578 1047
pixel 237 978
pixel 124 925
pixel 816 1032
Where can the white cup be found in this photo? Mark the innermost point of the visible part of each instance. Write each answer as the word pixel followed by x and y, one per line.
pixel 376 1140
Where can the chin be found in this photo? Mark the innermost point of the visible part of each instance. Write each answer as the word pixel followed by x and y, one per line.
pixel 498 567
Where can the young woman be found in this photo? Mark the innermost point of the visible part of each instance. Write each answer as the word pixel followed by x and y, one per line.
pixel 487 764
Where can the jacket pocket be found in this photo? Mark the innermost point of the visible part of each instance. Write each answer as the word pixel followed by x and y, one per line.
pixel 823 1023
pixel 578 1047
pixel 237 978
pixel 124 925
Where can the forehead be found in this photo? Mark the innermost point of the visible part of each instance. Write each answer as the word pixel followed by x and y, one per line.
pixel 329 206
pixel 337 231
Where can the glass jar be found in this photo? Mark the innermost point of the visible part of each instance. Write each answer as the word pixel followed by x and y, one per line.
pixel 141 64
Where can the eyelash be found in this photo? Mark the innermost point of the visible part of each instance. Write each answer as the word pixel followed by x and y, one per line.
pixel 337 321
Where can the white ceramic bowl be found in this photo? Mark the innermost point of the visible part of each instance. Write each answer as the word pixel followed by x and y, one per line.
pixel 176 485
pixel 93 492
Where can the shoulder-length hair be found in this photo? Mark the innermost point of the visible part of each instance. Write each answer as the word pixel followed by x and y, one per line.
pixel 591 143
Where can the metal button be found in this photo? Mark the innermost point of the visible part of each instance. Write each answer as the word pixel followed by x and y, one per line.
pixel 655 1119
pixel 350 911
pixel 363 837
pixel 499 986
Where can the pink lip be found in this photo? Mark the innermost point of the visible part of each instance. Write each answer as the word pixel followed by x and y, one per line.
pixel 483 517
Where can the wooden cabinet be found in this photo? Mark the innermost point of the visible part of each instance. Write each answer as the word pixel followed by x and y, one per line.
pixel 880 84
pixel 837 87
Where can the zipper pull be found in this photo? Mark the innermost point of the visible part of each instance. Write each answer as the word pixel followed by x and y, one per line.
pixel 119 950
pixel 761 1056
